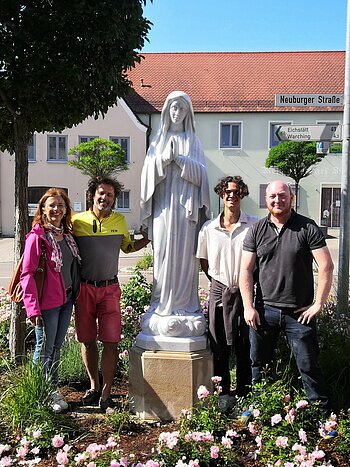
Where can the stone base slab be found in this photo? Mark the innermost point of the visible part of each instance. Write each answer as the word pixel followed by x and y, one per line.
pixel 172 344
pixel 162 383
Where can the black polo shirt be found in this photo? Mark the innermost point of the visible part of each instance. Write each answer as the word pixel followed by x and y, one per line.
pixel 284 260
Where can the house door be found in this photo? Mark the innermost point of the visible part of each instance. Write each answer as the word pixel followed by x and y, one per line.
pixel 330 206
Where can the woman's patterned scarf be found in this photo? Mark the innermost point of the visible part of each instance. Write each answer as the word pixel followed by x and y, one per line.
pixel 51 233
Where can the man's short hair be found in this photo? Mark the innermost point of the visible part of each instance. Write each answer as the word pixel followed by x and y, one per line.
pixel 291 192
pixel 95 182
pixel 237 179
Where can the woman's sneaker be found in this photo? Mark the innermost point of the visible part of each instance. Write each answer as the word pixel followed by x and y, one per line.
pixel 58 404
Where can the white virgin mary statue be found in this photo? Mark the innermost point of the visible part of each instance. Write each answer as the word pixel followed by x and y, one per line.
pixel 174 205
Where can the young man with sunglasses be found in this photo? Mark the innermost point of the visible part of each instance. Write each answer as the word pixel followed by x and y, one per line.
pixel 219 249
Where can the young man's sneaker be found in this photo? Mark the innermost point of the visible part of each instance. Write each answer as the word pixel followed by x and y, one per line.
pixel 330 434
pixel 106 403
pixel 245 417
pixel 91 397
pixel 58 404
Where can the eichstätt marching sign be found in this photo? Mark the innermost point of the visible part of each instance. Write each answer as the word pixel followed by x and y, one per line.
pixel 322 132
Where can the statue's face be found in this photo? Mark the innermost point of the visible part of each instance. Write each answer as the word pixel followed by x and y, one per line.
pixel 178 111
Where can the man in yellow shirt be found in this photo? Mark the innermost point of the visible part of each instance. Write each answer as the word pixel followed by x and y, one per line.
pixel 100 234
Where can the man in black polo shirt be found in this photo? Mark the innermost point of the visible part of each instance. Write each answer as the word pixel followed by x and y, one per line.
pixel 282 247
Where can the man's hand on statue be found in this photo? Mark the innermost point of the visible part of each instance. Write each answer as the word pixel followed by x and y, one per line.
pixel 144 233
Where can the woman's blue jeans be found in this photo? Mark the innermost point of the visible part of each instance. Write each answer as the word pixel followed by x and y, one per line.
pixel 56 322
pixel 39 340
pixel 302 339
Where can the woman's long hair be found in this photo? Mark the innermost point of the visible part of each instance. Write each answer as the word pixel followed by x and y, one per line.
pixel 39 217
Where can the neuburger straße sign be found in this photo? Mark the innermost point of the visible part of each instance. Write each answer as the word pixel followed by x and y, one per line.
pixel 309 100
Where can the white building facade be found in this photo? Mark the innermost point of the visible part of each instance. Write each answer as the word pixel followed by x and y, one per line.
pixel 48 157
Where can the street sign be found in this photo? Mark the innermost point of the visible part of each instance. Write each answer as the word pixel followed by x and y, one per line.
pixel 309 100
pixel 324 132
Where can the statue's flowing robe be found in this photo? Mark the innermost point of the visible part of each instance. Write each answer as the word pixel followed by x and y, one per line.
pixel 174 205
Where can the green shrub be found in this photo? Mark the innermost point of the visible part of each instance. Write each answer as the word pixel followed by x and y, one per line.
pixel 72 368
pixel 334 340
pixel 136 293
pixel 136 297
pixel 342 443
pixel 284 426
pixel 24 404
pixel 5 316
pixel 144 263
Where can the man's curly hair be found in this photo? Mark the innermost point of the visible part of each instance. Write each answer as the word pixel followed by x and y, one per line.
pixel 95 182
pixel 223 184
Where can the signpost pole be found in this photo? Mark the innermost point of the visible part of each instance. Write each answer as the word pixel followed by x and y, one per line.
pixel 344 234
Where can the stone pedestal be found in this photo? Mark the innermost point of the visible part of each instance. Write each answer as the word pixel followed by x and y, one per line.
pixel 162 383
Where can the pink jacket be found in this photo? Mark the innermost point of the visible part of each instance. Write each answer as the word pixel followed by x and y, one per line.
pixel 54 293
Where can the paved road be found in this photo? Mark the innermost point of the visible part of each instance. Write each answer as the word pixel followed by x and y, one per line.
pixel 127 261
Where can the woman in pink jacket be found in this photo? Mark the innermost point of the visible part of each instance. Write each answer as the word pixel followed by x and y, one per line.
pixel 52 225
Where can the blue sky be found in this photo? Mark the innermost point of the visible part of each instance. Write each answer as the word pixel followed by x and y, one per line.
pixel 246 25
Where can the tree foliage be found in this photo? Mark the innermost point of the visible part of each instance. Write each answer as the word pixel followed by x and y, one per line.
pixel 60 62
pixel 99 157
pixel 294 159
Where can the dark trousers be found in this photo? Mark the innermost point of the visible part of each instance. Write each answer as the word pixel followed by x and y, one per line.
pixel 222 354
pixel 302 339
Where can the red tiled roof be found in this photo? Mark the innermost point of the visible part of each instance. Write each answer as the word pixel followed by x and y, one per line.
pixel 235 81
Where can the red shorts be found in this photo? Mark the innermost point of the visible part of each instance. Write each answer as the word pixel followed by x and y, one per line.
pixel 97 313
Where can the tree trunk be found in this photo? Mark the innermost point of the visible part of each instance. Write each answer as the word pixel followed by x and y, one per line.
pixel 296 195
pixel 18 316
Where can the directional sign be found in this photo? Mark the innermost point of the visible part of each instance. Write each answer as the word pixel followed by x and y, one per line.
pixel 309 100
pixel 324 132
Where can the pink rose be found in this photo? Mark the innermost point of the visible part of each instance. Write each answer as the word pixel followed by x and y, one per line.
pixel 62 457
pixel 22 452
pixel 57 441
pixel 151 463
pixel 290 417
pixel 5 461
pixel 276 419
pixel 111 442
pixel 302 404
pixel 256 413
pixel 251 428
pixel 302 436
pixel 202 392
pixel 258 441
pixel 214 452
pixel 282 442
pixel 226 442
pixel 318 454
